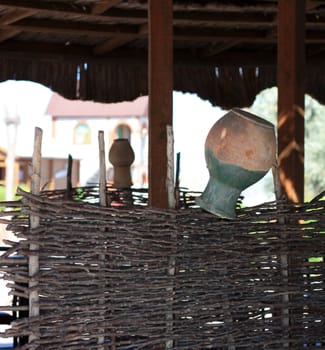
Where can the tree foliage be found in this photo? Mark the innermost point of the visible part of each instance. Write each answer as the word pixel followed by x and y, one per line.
pixel 265 105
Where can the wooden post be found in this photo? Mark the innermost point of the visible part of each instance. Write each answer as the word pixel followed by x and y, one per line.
pixel 291 98
pixel 161 163
pixel 104 200
pixel 160 96
pixel 291 94
pixel 33 263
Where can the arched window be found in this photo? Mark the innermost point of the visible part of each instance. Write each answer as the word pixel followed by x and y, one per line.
pixel 81 134
pixel 123 131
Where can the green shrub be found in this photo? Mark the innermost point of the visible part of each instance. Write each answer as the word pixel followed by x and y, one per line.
pixel 2 193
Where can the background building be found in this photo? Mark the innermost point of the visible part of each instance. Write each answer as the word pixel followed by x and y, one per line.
pixel 75 125
pixel 69 128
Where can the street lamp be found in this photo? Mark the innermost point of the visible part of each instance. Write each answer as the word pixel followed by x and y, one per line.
pixel 12 121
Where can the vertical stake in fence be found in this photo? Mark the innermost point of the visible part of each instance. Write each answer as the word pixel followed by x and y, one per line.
pixel 276 181
pixel 104 199
pixel 285 320
pixel 103 202
pixel 68 193
pixel 170 168
pixel 171 204
pixel 177 190
pixel 33 263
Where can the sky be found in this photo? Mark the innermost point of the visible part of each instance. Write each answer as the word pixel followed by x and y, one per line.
pixel 192 120
pixel 28 102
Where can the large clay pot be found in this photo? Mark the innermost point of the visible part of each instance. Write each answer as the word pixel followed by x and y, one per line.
pixel 121 155
pixel 239 150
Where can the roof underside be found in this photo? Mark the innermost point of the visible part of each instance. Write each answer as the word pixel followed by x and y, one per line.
pixel 225 51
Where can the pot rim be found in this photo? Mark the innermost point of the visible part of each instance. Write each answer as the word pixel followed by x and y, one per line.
pixel 253 118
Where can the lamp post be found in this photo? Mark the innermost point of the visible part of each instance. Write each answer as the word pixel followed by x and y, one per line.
pixel 12 121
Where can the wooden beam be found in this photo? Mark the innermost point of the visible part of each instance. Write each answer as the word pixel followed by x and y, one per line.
pixel 210 34
pixel 220 26
pixel 312 5
pixel 105 30
pixel 260 14
pixel 114 42
pixel 45 6
pixel 7 34
pixel 15 16
pixel 291 95
pixel 53 8
pixel 117 41
pixel 215 17
pixel 11 17
pixel 103 6
pixel 84 13
pixel 221 33
pixel 160 77
pixel 63 27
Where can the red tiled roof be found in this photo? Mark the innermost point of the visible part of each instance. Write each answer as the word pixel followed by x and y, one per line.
pixel 61 107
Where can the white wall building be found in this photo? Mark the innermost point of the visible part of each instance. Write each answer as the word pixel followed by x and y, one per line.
pixel 75 125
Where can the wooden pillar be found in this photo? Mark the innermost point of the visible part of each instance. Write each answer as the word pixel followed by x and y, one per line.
pixel 160 83
pixel 291 91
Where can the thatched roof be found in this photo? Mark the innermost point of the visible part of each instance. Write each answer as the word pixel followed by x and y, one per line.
pixel 225 51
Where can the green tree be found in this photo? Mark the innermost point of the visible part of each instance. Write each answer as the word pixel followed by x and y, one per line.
pixel 265 106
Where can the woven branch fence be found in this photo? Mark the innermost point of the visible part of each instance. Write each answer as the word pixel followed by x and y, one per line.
pixel 134 277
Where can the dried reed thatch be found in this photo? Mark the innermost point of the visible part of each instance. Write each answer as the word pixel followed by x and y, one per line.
pixel 115 80
pixel 135 277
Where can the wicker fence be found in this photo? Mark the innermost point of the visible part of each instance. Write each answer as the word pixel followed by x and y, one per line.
pixel 139 278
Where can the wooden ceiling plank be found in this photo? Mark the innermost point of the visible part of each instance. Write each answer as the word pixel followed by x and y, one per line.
pixel 222 18
pixel 71 28
pixel 15 16
pixel 45 6
pixel 244 14
pixel 212 34
pixel 218 18
pixel 52 8
pixel 208 17
pixel 312 5
pixel 103 6
pixel 10 18
pixel 102 30
pixel 127 33
pixel 7 34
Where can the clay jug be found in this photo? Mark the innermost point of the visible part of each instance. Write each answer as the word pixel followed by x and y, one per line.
pixel 121 155
pixel 240 148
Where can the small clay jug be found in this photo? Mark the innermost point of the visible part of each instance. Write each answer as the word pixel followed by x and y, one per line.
pixel 240 148
pixel 121 155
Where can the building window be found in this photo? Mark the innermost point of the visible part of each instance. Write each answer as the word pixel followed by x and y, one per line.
pixel 123 131
pixel 81 134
